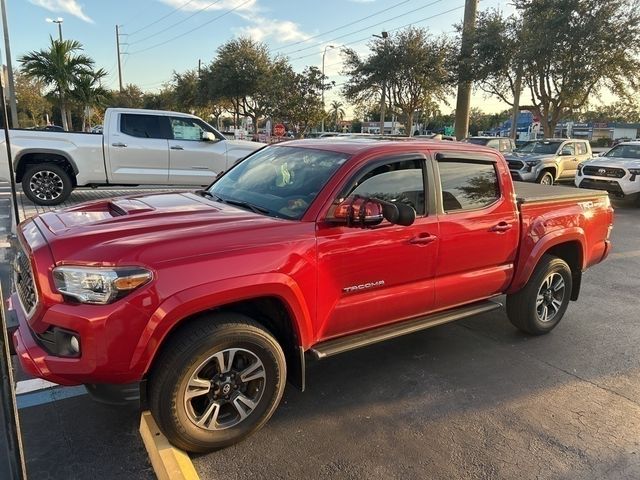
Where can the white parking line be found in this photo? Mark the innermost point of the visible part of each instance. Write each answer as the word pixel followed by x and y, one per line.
pixel 27 386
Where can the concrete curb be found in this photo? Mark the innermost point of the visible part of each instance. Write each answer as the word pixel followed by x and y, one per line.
pixel 169 463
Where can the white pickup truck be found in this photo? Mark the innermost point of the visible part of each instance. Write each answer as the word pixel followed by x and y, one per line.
pixel 138 147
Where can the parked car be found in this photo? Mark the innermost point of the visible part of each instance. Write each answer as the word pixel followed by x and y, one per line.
pixel 148 147
pixel 549 160
pixel 617 171
pixel 205 303
pixel 504 145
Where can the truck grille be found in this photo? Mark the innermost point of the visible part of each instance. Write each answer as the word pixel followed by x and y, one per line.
pixel 23 281
pixel 603 171
pixel 515 164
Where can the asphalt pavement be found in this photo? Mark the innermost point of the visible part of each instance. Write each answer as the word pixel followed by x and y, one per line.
pixel 470 400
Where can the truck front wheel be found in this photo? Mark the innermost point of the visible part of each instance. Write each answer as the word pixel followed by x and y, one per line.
pixel 541 304
pixel 46 184
pixel 545 178
pixel 217 381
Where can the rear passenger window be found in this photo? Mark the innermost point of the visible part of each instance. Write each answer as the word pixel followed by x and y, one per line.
pixel 143 126
pixel 468 185
pixel 581 148
pixel 394 182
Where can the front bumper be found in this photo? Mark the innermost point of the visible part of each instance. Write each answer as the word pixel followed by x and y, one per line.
pixel 523 175
pixel 614 187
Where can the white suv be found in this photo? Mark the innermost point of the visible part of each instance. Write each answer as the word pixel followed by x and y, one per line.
pixel 617 171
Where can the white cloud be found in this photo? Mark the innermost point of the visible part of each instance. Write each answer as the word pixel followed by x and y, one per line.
pixel 67 6
pixel 262 28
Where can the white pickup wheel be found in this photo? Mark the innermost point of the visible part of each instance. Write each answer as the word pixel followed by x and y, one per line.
pixel 541 304
pixel 46 184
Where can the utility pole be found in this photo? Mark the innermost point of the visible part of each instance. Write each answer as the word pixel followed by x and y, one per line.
pixel 119 63
pixel 383 102
pixel 463 103
pixel 59 21
pixel 323 107
pixel 199 66
pixel 11 84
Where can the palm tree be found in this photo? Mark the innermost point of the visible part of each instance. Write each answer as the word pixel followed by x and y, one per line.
pixel 89 93
pixel 57 68
pixel 337 112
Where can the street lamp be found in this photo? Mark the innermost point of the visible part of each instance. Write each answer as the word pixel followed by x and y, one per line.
pixel 384 37
pixel 59 21
pixel 323 109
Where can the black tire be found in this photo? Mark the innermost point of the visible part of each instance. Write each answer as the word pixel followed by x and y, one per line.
pixel 190 356
pixel 522 307
pixel 545 178
pixel 46 184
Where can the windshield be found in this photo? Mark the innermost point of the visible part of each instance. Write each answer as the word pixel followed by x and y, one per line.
pixel 540 147
pixel 625 151
pixel 278 181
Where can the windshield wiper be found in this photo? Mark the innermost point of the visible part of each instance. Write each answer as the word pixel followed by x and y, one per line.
pixel 207 193
pixel 250 206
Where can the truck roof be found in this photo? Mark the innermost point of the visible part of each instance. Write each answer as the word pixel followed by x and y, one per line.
pixel 352 146
pixel 151 112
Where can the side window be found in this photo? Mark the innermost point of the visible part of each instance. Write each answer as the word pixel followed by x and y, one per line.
pixel 568 149
pixel 401 181
pixel 186 129
pixel 493 144
pixel 581 148
pixel 143 126
pixel 468 185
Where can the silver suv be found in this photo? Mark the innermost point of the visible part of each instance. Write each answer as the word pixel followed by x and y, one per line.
pixel 549 160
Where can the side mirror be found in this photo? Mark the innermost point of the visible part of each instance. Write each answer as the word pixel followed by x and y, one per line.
pixel 364 212
pixel 208 137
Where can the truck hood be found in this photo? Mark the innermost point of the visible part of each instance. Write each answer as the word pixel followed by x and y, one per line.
pixel 154 228
pixel 530 156
pixel 613 162
pixel 245 144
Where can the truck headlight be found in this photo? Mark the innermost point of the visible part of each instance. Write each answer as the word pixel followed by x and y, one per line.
pixel 634 173
pixel 99 285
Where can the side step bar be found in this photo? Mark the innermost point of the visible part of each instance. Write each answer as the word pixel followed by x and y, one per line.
pixel 362 339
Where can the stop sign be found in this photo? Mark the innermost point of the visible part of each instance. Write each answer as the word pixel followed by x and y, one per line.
pixel 279 130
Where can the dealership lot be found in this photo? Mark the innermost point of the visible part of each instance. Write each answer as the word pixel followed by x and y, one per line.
pixel 474 399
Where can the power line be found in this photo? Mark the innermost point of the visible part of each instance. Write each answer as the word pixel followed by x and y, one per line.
pixel 366 28
pixel 193 29
pixel 163 17
pixel 176 24
pixel 344 26
pixel 392 30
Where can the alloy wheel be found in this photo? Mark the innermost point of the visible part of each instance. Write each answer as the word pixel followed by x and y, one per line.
pixel 550 297
pixel 46 185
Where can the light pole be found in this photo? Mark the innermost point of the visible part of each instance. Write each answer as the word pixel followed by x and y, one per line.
pixel 323 109
pixel 59 21
pixel 384 37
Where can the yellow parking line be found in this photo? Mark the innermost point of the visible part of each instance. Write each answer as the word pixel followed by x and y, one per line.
pixel 169 463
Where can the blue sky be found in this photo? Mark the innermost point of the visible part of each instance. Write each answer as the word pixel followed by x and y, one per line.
pixel 168 35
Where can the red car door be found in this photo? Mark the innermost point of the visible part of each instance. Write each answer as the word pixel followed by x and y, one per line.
pixel 479 228
pixel 378 275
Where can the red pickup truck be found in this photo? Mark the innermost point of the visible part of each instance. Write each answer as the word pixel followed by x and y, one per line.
pixel 205 303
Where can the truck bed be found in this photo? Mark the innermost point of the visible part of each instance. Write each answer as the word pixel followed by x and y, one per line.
pixel 534 193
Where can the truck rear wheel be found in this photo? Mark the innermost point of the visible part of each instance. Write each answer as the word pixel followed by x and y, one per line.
pixel 541 304
pixel 217 381
pixel 46 184
pixel 545 178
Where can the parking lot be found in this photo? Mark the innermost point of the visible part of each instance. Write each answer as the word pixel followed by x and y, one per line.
pixel 473 399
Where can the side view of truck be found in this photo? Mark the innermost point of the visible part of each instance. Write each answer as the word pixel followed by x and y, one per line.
pixel 137 147
pixel 203 304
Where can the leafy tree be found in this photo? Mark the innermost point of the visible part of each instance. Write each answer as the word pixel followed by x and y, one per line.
pixel 567 51
pixel 300 104
pixel 33 106
pixel 89 93
pixel 131 96
pixel 57 68
pixel 413 66
pixel 626 111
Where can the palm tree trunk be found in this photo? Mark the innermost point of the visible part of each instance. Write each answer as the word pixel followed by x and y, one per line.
pixel 69 120
pixel 63 112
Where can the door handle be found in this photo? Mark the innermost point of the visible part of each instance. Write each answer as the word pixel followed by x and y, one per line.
pixel 177 147
pixel 423 239
pixel 501 227
pixel 119 144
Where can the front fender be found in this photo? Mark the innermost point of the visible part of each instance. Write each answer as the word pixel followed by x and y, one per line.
pixel 216 294
pixel 532 251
